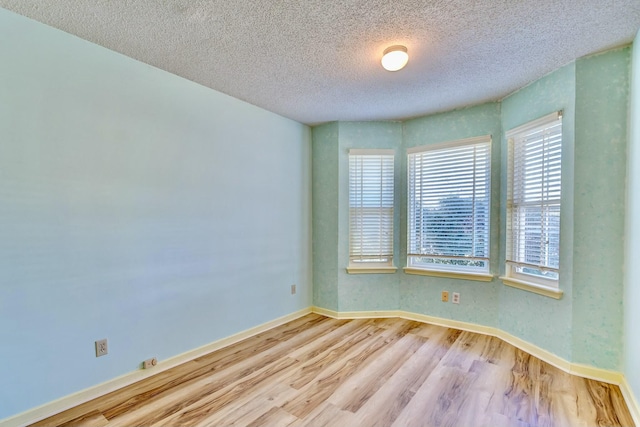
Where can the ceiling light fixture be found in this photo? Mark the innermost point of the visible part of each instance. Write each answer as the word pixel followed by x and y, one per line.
pixel 394 58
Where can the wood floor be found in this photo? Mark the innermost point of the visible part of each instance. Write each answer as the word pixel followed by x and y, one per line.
pixel 317 371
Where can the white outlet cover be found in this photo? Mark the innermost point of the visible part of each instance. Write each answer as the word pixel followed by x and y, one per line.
pixel 456 298
pixel 102 347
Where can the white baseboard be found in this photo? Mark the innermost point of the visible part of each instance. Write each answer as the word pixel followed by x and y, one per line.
pixel 354 314
pixel 631 400
pixel 48 409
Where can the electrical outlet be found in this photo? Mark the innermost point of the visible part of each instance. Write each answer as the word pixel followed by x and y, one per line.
pixel 456 298
pixel 293 289
pixel 445 296
pixel 150 363
pixel 101 347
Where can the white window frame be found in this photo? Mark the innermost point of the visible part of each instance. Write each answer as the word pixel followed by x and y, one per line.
pixel 371 252
pixel 481 167
pixel 549 179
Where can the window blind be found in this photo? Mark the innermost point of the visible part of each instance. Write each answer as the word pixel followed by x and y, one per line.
pixel 371 190
pixel 449 205
pixel 534 197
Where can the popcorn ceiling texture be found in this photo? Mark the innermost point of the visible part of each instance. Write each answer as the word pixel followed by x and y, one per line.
pixel 319 60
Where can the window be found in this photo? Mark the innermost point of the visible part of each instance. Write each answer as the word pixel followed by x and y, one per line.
pixel 534 202
pixel 371 210
pixel 449 205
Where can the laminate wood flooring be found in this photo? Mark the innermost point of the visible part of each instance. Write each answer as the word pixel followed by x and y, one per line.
pixel 317 371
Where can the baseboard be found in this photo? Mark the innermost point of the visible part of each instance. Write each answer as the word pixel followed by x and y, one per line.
pixel 354 314
pixel 631 400
pixel 48 409
pixel 604 375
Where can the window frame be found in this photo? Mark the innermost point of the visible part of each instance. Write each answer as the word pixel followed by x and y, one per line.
pixel 461 272
pixel 513 277
pixel 386 214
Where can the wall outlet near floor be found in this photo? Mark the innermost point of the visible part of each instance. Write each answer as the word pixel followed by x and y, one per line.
pixel 101 347
pixel 455 298
pixel 293 289
pixel 445 296
pixel 149 363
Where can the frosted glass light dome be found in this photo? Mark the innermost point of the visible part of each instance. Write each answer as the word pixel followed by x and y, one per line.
pixel 394 58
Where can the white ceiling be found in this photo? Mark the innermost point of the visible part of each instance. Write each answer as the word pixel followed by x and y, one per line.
pixel 319 60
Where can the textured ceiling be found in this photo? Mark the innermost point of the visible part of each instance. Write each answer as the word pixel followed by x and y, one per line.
pixel 319 60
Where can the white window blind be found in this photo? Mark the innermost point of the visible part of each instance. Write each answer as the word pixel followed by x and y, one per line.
pixel 449 205
pixel 534 200
pixel 371 207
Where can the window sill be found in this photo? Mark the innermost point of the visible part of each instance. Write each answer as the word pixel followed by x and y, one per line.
pixel 533 287
pixel 480 277
pixel 372 270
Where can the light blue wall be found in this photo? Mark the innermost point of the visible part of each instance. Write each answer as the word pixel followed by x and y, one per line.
pixel 602 89
pixel 632 238
pixel 585 326
pixel 535 318
pixel 134 206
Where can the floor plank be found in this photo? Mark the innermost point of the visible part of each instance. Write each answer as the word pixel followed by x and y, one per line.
pixel 317 371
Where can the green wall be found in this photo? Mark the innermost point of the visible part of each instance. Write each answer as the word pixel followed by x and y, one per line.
pixel 135 206
pixel 325 215
pixel 334 289
pixel 366 291
pixel 535 318
pixel 602 96
pixel 632 238
pixel 421 294
pixel 585 326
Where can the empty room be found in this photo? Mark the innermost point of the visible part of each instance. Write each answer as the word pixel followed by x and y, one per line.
pixel 319 213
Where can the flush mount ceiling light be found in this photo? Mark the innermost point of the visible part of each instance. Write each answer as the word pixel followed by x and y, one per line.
pixel 394 58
